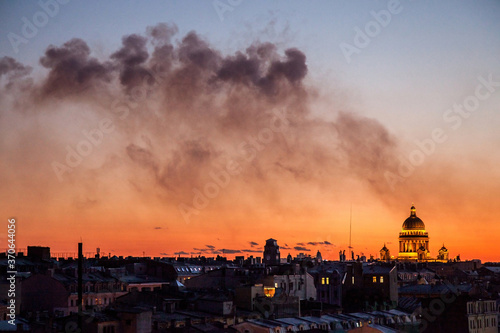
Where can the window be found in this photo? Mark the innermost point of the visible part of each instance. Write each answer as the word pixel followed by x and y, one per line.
pixel 374 279
pixel 322 280
pixel 353 280
pixel 381 279
pixel 275 284
pixel 327 280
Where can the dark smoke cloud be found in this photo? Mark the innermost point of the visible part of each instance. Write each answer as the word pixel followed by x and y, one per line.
pixel 201 109
pixel 15 74
pixel 12 68
pixel 130 59
pixel 369 146
pixel 195 51
pixel 301 248
pixel 259 68
pixel 72 69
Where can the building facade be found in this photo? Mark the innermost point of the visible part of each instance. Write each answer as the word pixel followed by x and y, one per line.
pixel 414 243
pixel 413 238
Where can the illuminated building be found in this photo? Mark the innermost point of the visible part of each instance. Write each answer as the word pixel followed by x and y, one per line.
pixel 443 253
pixel 413 239
pixel 385 254
pixel 414 242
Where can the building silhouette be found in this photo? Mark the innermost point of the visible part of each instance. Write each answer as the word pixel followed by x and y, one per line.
pixel 271 252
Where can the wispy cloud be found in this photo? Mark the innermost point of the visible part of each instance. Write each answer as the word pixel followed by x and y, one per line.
pixel 229 251
pixel 327 243
pixel 251 251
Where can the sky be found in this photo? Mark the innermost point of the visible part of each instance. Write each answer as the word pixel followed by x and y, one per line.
pixel 207 127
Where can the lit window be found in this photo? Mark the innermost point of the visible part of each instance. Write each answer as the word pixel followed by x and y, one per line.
pixel 269 292
pixel 327 280
pixel 374 279
pixel 322 280
pixel 381 279
pixel 275 284
pixel 353 280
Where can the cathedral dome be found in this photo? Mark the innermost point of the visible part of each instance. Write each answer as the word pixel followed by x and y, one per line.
pixel 413 222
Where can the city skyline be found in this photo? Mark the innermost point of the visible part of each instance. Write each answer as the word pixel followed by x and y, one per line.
pixel 196 127
pixel 255 249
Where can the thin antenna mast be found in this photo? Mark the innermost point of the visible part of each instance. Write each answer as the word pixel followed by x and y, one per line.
pixel 350 228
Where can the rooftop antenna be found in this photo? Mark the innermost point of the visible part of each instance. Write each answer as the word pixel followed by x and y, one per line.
pixel 350 228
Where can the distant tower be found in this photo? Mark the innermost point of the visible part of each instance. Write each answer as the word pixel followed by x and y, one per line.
pixel 385 254
pixel 319 259
pixel 289 258
pixel 271 252
pixel 443 253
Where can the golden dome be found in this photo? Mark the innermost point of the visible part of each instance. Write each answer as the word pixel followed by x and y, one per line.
pixel 413 222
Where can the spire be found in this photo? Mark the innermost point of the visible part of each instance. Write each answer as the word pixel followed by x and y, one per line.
pixel 412 210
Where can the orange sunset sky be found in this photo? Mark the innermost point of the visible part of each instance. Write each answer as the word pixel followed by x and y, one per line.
pixel 172 129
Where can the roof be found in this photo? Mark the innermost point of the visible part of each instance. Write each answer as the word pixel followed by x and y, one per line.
pixel 377 269
pixel 263 323
pixel 494 269
pixel 293 321
pixel 413 222
pixel 317 320
pixel 409 303
pixel 134 279
pixel 430 289
pixel 5 326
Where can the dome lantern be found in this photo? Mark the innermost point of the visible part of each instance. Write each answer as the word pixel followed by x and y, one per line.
pixel 413 222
